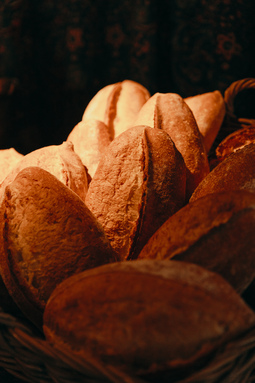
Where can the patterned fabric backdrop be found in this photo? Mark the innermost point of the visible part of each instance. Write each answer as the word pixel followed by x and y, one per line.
pixel 55 55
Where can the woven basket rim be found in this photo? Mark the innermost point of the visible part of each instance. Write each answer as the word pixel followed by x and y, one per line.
pixel 233 90
pixel 37 361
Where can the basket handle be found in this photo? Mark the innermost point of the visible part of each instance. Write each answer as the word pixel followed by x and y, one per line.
pixel 235 88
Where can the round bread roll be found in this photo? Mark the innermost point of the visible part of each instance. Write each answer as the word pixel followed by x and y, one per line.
pixel 169 112
pixel 216 232
pixel 117 105
pixel 236 172
pixel 209 111
pixel 8 159
pixel 47 234
pixel 145 317
pixel 140 181
pixel 90 138
pixel 59 160
pixel 234 142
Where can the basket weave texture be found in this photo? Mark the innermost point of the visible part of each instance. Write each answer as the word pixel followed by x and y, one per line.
pixel 231 122
pixel 30 358
pixel 25 353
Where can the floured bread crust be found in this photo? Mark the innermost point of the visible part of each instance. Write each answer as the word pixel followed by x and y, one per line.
pixel 169 112
pixel 59 160
pixel 47 234
pixel 145 316
pixel 90 137
pixel 8 159
pixel 117 105
pixel 236 171
pixel 235 141
pixel 207 232
pixel 209 110
pixel 140 181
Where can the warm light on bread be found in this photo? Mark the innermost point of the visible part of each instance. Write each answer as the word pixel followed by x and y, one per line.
pixel 236 172
pixel 169 112
pixel 8 159
pixel 117 105
pixel 216 232
pixel 140 181
pixel 145 317
pixel 90 138
pixel 209 111
pixel 59 160
pixel 47 234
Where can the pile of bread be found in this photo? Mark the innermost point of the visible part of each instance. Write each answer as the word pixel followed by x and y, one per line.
pixel 123 243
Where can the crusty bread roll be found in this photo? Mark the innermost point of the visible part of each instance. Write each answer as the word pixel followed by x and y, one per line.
pixel 46 234
pixel 8 159
pixel 146 317
pixel 59 160
pixel 90 138
pixel 117 105
pixel 140 181
pixel 237 171
pixel 235 141
pixel 209 111
pixel 216 232
pixel 169 112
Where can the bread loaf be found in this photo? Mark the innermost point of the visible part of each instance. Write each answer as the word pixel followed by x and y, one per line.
pixel 237 171
pixel 216 232
pixel 234 142
pixel 8 159
pixel 90 138
pixel 140 181
pixel 145 317
pixel 117 105
pixel 46 234
pixel 209 111
pixel 169 112
pixel 59 160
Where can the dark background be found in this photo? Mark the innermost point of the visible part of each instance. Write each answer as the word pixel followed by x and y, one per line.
pixel 55 55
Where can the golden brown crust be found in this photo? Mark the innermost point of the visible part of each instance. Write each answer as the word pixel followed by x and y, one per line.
pixel 47 234
pixel 207 232
pixel 8 159
pixel 117 105
pixel 139 183
pixel 209 111
pixel 59 160
pixel 90 138
pixel 169 112
pixel 236 172
pixel 234 142
pixel 145 315
pixel 111 108
pixel 96 107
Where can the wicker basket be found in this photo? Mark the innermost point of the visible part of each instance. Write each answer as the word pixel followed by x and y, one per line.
pixel 30 358
pixel 25 354
pixel 232 122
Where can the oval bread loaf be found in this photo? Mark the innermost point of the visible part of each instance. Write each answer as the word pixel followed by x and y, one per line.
pixel 169 112
pixel 47 234
pixel 209 111
pixel 59 160
pixel 216 232
pixel 140 182
pixel 117 105
pixel 145 316
pixel 8 159
pixel 236 172
pixel 90 138
pixel 234 142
